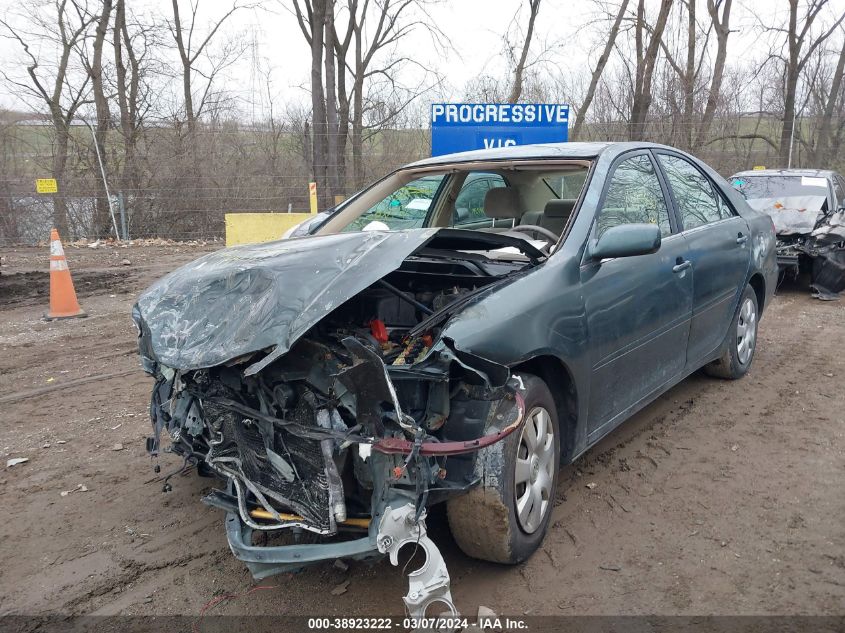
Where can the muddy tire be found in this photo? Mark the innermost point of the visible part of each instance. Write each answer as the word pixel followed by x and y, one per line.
pixel 741 342
pixel 505 518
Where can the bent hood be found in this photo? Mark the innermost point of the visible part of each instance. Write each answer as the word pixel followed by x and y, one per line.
pixel 248 298
pixel 792 215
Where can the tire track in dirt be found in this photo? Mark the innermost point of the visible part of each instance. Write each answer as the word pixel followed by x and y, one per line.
pixel 679 521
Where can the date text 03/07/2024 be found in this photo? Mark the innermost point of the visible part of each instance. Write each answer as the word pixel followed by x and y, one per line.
pixel 484 621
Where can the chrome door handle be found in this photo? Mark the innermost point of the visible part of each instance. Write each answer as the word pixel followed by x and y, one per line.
pixel 741 239
pixel 681 266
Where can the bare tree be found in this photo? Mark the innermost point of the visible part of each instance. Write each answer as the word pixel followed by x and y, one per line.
pixel 102 220
pixel 598 70
pixel 131 42
pixel 519 68
pixel 52 85
pixel 189 54
pixel 721 25
pixel 311 16
pixel 645 65
pixel 332 127
pixel 827 144
pixel 377 26
pixel 687 73
pixel 801 42
pixel 341 50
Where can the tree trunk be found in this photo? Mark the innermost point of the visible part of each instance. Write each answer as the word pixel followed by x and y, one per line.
pixel 597 72
pixel 319 128
pixel 793 70
pixel 332 158
pixel 128 95
pixel 826 150
pixel 519 71
pixel 646 64
pixel 186 71
pixel 689 77
pixel 126 130
pixel 341 51
pixel 102 216
pixel 358 114
pixel 358 135
pixel 722 28
pixel 60 222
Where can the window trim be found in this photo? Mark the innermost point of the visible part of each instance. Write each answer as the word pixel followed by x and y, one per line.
pixel 611 171
pixel 676 210
pixel 837 178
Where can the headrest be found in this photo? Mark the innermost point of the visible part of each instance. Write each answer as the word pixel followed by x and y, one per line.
pixel 501 202
pixel 559 208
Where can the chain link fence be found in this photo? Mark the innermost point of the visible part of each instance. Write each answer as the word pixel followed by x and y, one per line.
pixel 174 184
pixel 178 185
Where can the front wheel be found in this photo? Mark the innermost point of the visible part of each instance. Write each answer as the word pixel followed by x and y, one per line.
pixel 741 343
pixel 505 518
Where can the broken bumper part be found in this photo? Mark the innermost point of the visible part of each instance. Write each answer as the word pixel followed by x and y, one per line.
pixel 428 585
pixel 267 561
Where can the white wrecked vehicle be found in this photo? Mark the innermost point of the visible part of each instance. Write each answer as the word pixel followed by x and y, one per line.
pixel 807 207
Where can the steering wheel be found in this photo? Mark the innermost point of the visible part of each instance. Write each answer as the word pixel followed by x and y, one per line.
pixel 535 229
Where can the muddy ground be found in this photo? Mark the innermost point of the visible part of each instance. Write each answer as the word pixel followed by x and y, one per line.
pixel 719 498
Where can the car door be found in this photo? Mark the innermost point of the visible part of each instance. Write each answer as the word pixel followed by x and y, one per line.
pixel 719 249
pixel 637 308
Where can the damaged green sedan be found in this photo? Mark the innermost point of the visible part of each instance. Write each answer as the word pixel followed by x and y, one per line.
pixel 451 334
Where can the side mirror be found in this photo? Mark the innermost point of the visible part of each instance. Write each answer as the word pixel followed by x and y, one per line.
pixel 626 240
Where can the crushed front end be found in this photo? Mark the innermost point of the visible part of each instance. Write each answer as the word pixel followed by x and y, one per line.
pixel 336 447
pixel 811 238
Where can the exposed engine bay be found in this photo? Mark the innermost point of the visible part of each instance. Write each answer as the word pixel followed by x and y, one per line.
pixel 371 414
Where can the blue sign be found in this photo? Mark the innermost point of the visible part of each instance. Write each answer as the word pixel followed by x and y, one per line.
pixel 459 127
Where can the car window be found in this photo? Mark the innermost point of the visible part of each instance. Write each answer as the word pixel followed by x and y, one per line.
pixel 405 208
pixel 698 204
pixel 469 205
pixel 725 209
pixel 572 183
pixel 634 196
pixel 779 187
pixel 839 188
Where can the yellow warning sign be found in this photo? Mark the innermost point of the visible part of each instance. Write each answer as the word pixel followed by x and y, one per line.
pixel 312 194
pixel 46 185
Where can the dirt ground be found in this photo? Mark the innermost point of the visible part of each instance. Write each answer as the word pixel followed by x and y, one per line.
pixel 719 498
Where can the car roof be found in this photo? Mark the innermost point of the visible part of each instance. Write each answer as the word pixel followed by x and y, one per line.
pixel 823 173
pixel 575 150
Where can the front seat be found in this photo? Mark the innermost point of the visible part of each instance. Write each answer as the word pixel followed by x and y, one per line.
pixel 554 217
pixel 502 203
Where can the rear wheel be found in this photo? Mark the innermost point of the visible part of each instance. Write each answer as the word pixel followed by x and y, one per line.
pixel 739 349
pixel 505 518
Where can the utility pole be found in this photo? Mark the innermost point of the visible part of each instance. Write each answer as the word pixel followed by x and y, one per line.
pixel 103 174
pixel 791 141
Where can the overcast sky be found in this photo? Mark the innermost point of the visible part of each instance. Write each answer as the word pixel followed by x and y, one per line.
pixel 474 28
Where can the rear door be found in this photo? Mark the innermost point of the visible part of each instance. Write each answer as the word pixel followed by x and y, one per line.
pixel 719 248
pixel 637 308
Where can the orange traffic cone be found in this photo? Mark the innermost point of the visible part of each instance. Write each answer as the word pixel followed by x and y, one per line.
pixel 63 303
